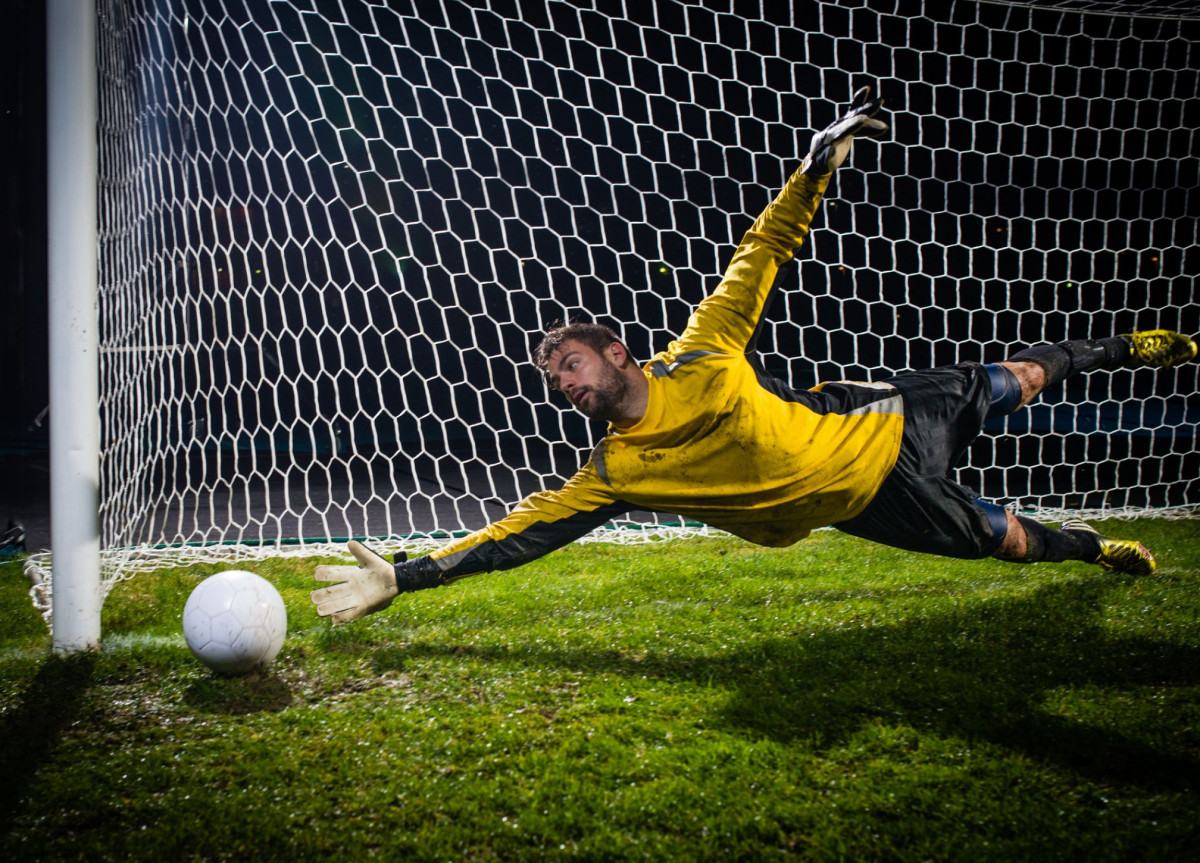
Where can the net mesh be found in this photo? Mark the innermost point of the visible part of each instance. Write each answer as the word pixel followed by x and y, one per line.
pixel 332 229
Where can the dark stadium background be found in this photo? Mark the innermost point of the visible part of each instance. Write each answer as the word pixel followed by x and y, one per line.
pixel 916 236
pixel 24 390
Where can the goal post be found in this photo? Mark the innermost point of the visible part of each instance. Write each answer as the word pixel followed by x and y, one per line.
pixel 74 337
pixel 330 231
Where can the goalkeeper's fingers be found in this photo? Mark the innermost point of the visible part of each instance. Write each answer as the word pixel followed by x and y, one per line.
pixel 874 127
pixel 830 146
pixel 334 599
pixel 341 596
pixel 367 559
pixel 342 612
pixel 862 103
pixel 336 573
pixel 365 556
pixel 859 118
pixel 370 559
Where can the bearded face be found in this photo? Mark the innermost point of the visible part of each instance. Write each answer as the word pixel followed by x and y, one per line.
pixel 591 380
pixel 602 399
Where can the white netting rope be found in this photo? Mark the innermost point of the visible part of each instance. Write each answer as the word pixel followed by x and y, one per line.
pixel 331 231
pixel 1168 9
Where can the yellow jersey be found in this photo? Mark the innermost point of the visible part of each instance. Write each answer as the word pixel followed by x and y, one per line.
pixel 721 442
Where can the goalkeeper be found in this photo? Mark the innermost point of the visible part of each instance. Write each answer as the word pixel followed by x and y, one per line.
pixel 704 432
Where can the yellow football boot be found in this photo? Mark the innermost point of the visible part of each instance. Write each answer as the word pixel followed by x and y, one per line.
pixel 1118 555
pixel 1159 349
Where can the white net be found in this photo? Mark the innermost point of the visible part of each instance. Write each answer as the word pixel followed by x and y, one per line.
pixel 332 229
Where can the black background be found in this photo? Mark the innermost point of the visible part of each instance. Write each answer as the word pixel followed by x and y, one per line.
pixel 382 211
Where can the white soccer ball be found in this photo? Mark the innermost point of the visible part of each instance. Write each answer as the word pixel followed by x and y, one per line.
pixel 235 622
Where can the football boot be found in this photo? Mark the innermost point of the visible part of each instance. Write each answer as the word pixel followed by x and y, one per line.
pixel 1118 555
pixel 1159 349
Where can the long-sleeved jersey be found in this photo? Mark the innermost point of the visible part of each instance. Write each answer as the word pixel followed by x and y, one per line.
pixel 721 441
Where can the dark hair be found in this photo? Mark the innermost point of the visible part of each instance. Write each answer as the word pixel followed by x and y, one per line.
pixel 595 336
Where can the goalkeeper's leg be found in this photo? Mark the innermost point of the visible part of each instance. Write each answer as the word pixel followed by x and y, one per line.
pixel 1023 377
pixel 1018 380
pixel 1029 541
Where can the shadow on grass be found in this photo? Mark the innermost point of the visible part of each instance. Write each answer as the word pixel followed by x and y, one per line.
pixel 983 673
pixel 259 692
pixel 30 731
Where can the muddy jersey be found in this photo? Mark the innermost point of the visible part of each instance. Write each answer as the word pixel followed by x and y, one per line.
pixel 721 442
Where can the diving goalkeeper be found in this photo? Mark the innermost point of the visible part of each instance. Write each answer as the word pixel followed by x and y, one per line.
pixel 704 432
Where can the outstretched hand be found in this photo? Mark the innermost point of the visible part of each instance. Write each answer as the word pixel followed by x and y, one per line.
pixel 831 146
pixel 360 590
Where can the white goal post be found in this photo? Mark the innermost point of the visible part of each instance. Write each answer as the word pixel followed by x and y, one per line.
pixel 74 336
pixel 330 231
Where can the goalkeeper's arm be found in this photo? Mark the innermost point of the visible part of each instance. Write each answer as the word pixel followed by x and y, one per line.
pixel 729 318
pixel 537 526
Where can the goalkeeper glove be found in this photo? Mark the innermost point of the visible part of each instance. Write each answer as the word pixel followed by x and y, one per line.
pixel 830 146
pixel 371 586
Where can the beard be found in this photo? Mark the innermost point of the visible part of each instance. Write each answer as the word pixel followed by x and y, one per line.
pixel 606 396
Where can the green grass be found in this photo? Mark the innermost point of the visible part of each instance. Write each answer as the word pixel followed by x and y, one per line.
pixel 697 700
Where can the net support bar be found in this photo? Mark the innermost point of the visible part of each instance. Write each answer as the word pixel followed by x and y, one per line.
pixel 74 327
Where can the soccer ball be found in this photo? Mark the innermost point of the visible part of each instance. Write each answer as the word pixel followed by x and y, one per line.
pixel 235 622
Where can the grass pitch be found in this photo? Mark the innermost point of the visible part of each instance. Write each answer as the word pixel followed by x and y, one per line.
pixel 696 700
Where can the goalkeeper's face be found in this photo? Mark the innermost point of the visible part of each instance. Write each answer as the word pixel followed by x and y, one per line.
pixel 596 383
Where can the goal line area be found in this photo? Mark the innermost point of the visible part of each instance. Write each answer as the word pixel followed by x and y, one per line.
pixel 330 233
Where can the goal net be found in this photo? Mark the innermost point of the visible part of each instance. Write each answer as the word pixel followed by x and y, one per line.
pixel 332 229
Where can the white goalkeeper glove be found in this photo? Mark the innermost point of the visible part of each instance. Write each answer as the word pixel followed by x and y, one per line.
pixel 831 146
pixel 371 586
pixel 360 590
